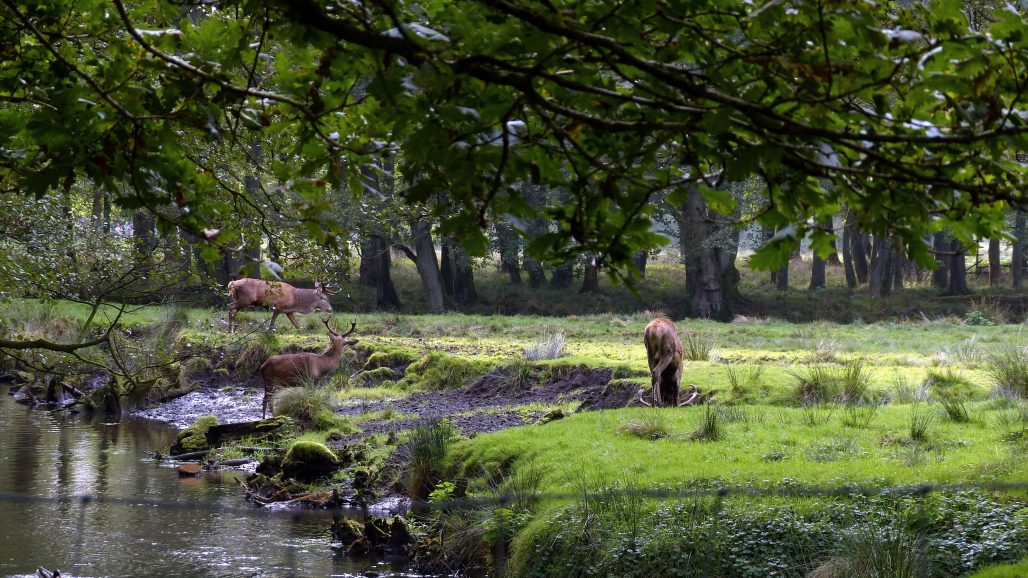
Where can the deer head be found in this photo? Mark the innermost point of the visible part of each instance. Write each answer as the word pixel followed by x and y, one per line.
pixel 337 337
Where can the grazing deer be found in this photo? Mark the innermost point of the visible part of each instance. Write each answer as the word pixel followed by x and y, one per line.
pixel 280 297
pixel 664 353
pixel 291 369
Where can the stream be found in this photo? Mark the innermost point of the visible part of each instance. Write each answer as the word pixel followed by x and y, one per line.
pixel 83 495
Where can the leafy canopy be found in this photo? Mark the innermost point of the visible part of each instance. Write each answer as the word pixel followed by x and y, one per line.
pixel 914 119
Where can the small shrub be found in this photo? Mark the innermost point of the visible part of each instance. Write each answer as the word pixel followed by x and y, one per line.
pixel 426 447
pixel 710 429
pixel 307 461
pixel 978 318
pixel 1009 371
pixel 697 346
pixel 550 348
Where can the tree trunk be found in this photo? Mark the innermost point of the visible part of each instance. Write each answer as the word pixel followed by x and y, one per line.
pixel 508 243
pixel 591 277
pixel 781 278
pixel 367 268
pixel 940 277
pixel 1017 258
pixel 640 260
pixel 847 257
pixel 899 264
pixel 428 267
pixel 457 272
pixel 446 268
pixel 995 268
pixel 856 246
pixel 880 278
pixel 957 269
pixel 817 266
pixel 562 276
pixel 144 239
pixel 711 279
pixel 380 261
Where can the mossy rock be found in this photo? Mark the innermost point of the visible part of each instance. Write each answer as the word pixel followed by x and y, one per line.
pixel 387 359
pixel 309 461
pixel 347 530
pixel 194 437
pixel 551 415
pixel 375 376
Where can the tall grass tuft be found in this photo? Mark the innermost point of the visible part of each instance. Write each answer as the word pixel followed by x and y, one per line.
pixel 426 448
pixel 826 349
pixel 908 393
pixel 742 382
pixel 854 380
pixel 304 403
pixel 883 552
pixel 818 385
pixel 653 426
pixel 518 376
pixel 710 429
pixel 698 346
pixel 920 421
pixel 1009 371
pixel 550 348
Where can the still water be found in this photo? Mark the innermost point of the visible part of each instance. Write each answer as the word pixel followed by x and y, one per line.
pixel 140 517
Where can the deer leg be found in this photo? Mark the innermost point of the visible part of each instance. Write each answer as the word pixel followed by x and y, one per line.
pixel 274 316
pixel 264 403
pixel 231 316
pixel 658 398
pixel 293 321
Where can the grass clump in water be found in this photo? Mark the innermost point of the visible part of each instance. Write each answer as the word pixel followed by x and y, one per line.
pixel 426 449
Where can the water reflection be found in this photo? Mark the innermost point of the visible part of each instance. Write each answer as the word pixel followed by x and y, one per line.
pixel 144 520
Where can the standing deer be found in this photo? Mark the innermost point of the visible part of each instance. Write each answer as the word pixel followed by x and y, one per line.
pixel 664 353
pixel 291 369
pixel 280 297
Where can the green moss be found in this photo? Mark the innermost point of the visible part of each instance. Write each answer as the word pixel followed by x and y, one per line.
pixel 441 371
pixel 194 437
pixel 388 358
pixel 375 376
pixel 307 461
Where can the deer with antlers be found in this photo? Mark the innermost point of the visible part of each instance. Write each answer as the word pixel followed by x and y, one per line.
pixel 289 369
pixel 279 297
pixel 664 353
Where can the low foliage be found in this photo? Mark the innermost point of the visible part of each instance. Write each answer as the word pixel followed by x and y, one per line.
pixel 426 449
pixel 550 348
pixel 698 346
pixel 1009 371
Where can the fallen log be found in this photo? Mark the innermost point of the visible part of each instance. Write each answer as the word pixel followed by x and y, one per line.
pixel 190 456
pixel 232 462
pixel 219 434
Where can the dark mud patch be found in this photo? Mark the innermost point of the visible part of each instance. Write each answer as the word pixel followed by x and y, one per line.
pixel 489 404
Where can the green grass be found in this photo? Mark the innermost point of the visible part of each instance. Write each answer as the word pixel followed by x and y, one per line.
pixel 1015 570
pixel 594 445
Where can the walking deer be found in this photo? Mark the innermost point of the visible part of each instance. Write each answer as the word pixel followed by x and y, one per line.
pixel 279 297
pixel 664 354
pixel 291 369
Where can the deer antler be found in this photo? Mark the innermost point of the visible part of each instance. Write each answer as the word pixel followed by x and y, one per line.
pixel 324 288
pixel 330 330
pixel 353 325
pixel 692 398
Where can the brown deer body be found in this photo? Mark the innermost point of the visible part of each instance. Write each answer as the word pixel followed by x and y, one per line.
pixel 291 369
pixel 664 353
pixel 278 296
